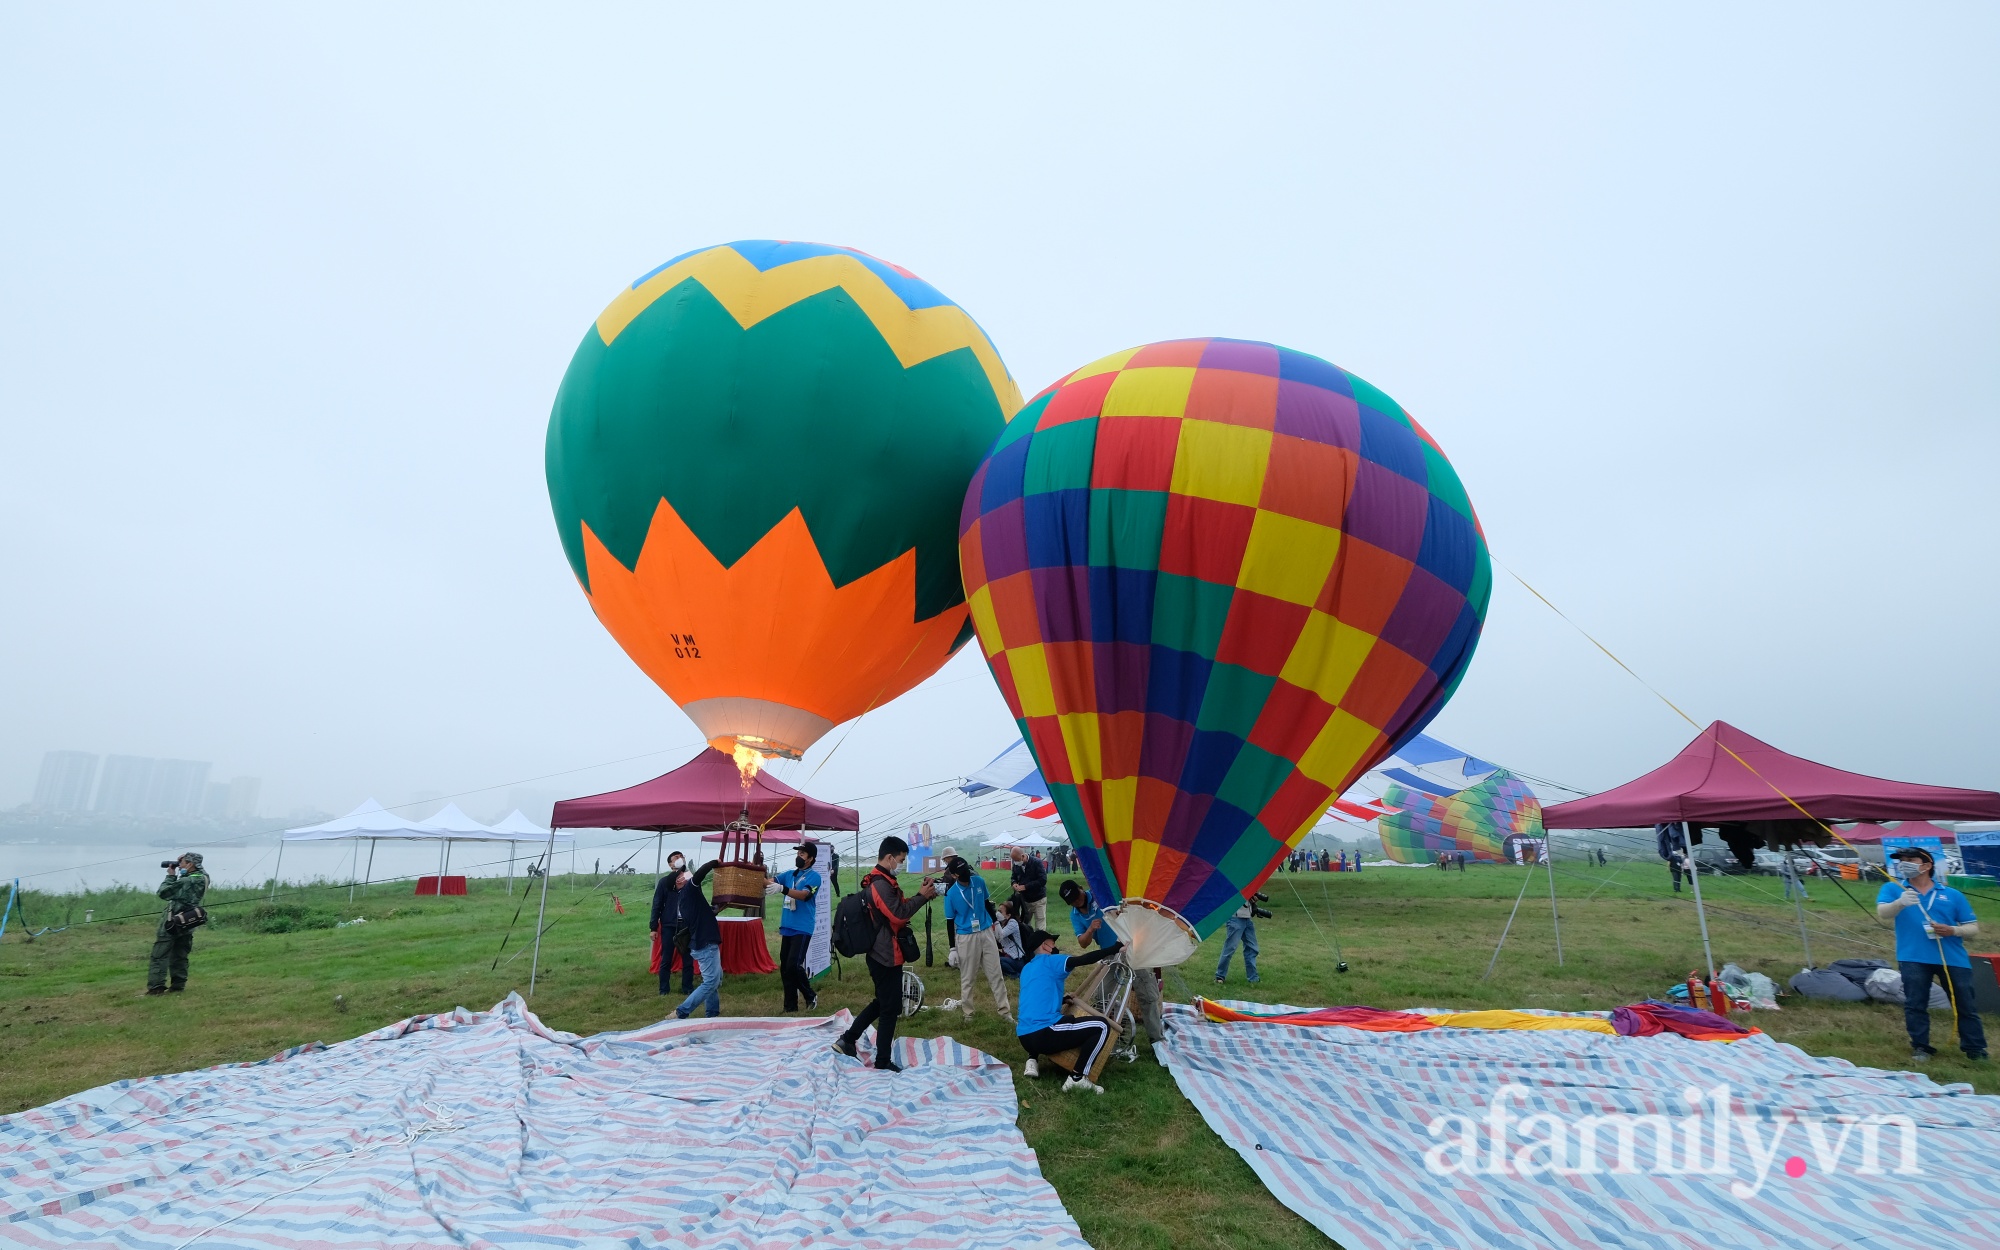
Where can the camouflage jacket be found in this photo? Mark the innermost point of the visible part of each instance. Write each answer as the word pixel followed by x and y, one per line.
pixel 181 892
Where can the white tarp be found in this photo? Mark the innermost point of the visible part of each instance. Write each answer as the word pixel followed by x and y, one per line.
pixel 491 1129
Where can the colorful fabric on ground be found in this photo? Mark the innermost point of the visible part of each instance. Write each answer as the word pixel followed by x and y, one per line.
pixel 1370 1018
pixel 1478 819
pixel 756 460
pixel 489 1129
pixel 1338 1122
pixel 1648 1018
pixel 1216 581
pixel 1521 1020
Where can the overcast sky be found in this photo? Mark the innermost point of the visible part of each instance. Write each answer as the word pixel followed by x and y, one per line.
pixel 1704 305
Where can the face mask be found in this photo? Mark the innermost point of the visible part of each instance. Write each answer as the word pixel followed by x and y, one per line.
pixel 675 865
pixel 801 863
pixel 1907 869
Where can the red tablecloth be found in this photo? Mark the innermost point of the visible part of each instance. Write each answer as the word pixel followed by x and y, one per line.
pixel 744 948
pixel 452 885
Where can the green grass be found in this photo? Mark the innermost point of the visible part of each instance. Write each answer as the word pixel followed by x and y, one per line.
pixel 1136 1167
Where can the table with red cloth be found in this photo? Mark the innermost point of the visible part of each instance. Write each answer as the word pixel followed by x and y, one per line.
pixel 429 885
pixel 745 949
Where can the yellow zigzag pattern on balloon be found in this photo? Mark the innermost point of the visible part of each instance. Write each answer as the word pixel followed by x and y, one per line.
pixel 750 295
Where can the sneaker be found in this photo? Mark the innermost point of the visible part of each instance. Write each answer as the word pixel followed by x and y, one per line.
pixel 1081 1083
pixel 1218 980
pixel 1031 1069
pixel 887 1065
pixel 844 1047
pixel 151 993
pixel 681 1013
pixel 812 1002
pixel 177 989
pixel 1919 1058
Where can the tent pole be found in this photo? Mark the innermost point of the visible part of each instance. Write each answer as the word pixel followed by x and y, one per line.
pixel 442 848
pixel 371 864
pixel 280 868
pixel 510 869
pixel 1525 881
pixel 1694 875
pixel 353 862
pixel 1549 853
pixel 548 862
pixel 1798 893
pixel 659 849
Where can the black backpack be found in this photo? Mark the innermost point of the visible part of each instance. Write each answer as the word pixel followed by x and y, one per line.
pixel 854 925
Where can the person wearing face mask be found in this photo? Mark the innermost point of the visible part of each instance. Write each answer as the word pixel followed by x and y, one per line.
pixel 895 945
pixel 1932 923
pixel 966 905
pixel 665 922
pixel 800 890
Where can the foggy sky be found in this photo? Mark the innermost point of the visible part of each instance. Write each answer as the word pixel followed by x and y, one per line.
pixel 1704 305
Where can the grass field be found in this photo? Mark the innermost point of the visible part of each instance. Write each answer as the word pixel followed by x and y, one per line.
pixel 1136 1167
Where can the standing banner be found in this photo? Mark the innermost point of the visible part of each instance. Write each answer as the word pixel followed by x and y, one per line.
pixel 819 955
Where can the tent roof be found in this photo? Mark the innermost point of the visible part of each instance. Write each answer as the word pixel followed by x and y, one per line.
pixel 1705 782
pixel 1013 769
pixel 1870 831
pixel 372 820
pixel 704 793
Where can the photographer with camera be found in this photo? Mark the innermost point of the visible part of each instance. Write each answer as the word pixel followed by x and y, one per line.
pixel 1242 931
pixel 173 941
pixel 894 946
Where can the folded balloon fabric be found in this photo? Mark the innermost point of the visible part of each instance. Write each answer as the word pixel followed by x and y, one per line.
pixel 1652 1016
pixel 1638 1020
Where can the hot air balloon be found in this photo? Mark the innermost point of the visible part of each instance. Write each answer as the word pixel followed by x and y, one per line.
pixel 1216 581
pixel 756 461
pixel 1485 819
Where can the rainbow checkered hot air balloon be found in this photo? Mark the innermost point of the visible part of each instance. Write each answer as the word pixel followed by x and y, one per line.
pixel 1481 820
pixel 1216 581
pixel 756 461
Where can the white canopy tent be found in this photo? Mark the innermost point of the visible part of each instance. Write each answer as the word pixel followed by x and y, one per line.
pixel 1035 838
pixel 376 823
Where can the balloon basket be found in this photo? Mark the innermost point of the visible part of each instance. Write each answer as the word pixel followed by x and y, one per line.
pixel 739 885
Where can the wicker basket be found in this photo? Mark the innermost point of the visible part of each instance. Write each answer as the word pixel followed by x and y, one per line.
pixel 739 885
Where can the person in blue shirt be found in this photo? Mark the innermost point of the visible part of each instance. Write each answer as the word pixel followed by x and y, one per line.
pixel 800 890
pixel 1043 1027
pixel 1086 918
pixel 966 906
pixel 1932 923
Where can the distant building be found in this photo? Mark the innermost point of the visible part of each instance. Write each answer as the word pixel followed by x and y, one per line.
pixel 123 789
pixel 243 797
pixel 177 789
pixel 66 780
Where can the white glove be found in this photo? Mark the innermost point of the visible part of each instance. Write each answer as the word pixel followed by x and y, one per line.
pixel 951 958
pixel 1909 898
pixel 770 887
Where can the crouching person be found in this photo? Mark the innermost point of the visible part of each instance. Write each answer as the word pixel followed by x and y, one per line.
pixel 1043 1027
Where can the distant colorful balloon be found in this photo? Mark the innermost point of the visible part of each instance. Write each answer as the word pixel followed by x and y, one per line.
pixel 1216 581
pixel 756 461
pixel 1480 819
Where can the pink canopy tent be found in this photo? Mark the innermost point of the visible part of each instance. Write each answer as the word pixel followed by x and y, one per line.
pixel 1872 832
pixel 1707 783
pixel 704 793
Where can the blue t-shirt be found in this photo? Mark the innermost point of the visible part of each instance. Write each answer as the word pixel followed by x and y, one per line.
pixel 1042 981
pixel 1080 920
pixel 799 919
pixel 965 907
pixel 1940 904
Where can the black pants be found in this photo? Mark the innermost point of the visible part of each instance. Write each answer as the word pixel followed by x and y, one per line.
pixel 667 967
pixel 1086 1037
pixel 1674 866
pixel 882 1011
pixel 169 961
pixel 1917 980
pixel 792 972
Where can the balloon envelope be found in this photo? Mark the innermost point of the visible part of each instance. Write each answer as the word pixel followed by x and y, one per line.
pixel 1479 820
pixel 756 460
pixel 1216 581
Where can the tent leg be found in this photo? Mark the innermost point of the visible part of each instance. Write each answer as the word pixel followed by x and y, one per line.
pixel 510 870
pixel 1549 851
pixel 353 862
pixel 371 864
pixel 443 847
pixel 548 861
pixel 659 849
pixel 275 871
pixel 1701 913
pixel 1525 881
pixel 1798 891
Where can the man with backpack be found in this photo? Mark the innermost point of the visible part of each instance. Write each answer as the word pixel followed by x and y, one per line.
pixel 879 903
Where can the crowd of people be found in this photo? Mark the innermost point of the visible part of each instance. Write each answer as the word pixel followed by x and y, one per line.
pixel 1322 861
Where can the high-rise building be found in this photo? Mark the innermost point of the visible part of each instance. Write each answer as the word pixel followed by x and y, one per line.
pixel 66 780
pixel 123 790
pixel 177 788
pixel 243 797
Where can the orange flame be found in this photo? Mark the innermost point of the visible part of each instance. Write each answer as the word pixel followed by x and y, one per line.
pixel 749 762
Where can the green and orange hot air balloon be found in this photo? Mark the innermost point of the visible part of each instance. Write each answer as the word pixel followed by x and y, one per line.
pixel 756 461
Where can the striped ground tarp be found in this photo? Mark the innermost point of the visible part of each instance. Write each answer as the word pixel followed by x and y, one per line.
pixel 1391 1141
pixel 488 1129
